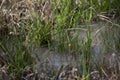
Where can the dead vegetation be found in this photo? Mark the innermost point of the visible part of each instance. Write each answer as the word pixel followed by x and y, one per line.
pixel 15 18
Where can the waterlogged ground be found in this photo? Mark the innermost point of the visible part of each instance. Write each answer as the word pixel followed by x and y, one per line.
pixel 49 64
pixel 66 66
pixel 48 60
pixel 63 58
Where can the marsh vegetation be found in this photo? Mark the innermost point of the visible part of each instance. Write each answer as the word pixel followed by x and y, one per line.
pixel 59 40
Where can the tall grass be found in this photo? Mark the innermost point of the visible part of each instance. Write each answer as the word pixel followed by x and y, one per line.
pixel 39 34
pixel 17 56
pixel 56 24
pixel 86 45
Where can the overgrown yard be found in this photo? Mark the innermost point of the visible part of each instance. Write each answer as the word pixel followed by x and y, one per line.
pixel 59 40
